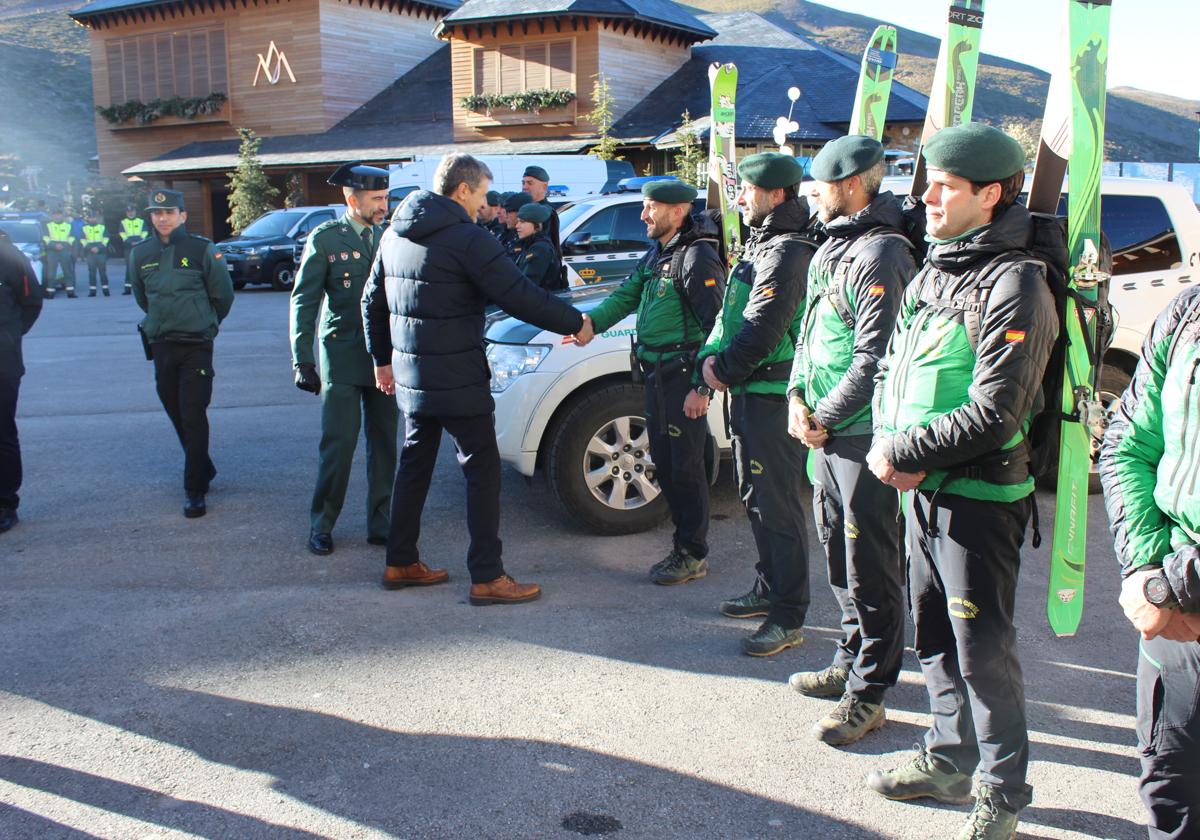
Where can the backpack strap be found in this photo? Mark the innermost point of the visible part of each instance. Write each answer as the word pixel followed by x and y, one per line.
pixel 973 304
pixel 676 275
pixel 835 292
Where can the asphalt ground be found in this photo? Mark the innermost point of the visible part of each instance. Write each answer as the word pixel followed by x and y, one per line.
pixel 163 677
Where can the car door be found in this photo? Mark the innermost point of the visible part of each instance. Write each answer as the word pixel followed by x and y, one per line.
pixel 607 245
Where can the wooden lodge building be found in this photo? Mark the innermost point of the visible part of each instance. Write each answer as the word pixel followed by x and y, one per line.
pixel 326 81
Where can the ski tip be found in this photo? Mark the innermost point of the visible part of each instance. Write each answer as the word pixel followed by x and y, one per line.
pixel 1065 635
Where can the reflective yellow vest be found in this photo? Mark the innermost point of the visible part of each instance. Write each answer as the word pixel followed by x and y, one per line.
pixel 58 232
pixel 95 233
pixel 133 227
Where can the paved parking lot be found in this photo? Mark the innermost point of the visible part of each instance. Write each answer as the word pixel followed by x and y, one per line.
pixel 163 677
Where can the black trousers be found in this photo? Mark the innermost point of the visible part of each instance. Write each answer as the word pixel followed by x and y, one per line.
pixel 10 444
pixel 183 376
pixel 677 445
pixel 479 457
pixel 770 474
pixel 963 587
pixel 856 523
pixel 1168 729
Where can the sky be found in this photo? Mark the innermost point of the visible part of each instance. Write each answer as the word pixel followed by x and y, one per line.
pixel 1152 41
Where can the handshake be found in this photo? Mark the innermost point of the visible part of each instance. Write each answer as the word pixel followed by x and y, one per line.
pixel 586 333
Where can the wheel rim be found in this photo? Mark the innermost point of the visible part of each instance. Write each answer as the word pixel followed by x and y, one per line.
pixel 617 467
pixel 284 276
pixel 1110 401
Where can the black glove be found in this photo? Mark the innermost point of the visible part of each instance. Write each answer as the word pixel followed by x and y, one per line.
pixel 307 379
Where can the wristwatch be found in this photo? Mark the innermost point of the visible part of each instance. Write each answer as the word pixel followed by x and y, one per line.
pixel 704 390
pixel 1157 590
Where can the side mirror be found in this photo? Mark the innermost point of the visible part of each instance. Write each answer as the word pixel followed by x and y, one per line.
pixel 577 242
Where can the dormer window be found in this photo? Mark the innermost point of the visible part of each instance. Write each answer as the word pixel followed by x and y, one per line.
pixel 516 68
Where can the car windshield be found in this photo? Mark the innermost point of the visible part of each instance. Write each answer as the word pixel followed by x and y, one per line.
pixel 20 232
pixel 573 212
pixel 275 223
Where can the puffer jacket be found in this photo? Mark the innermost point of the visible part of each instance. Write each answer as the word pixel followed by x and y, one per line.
pixel 836 362
pixel 423 306
pixel 958 408
pixel 1150 461
pixel 754 337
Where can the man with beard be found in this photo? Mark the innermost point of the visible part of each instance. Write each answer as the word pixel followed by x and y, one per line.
pixel 337 259
pixel 676 289
pixel 489 214
pixel 749 353
pixel 855 283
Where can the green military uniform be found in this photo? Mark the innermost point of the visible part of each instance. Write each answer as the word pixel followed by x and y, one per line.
pixel 95 254
pixel 334 269
pixel 133 231
pixel 60 253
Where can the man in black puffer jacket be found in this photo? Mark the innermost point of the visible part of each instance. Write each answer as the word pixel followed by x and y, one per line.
pixel 423 308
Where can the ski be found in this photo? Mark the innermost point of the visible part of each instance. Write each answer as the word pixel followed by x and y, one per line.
pixel 722 162
pixel 952 97
pixel 875 84
pixel 1072 143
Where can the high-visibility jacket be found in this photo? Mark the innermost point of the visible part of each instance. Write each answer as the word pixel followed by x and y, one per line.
pixel 58 232
pixel 95 234
pixel 133 227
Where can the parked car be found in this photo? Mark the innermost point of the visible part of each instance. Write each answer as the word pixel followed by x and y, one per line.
pixel 26 234
pixel 268 250
pixel 568 410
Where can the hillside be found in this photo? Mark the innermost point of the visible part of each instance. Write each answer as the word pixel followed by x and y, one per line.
pixel 1141 125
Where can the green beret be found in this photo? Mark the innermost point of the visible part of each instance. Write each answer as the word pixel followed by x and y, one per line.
pixel 539 213
pixel 493 198
pixel 975 151
pixel 771 170
pixel 845 157
pixel 669 191
pixel 538 173
pixel 516 201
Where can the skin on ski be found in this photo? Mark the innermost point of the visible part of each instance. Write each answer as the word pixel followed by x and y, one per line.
pixel 875 84
pixel 952 98
pixel 722 163
pixel 1088 27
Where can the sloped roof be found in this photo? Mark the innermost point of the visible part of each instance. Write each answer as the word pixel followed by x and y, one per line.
pixel 98 8
pixel 655 12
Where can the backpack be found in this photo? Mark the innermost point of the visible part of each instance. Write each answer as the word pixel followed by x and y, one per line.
pixel 835 290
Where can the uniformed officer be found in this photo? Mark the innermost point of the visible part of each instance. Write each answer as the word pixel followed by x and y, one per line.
pixel 95 252
pixel 60 254
pixel 183 286
pixel 133 231
pixel 333 270
pixel 20 305
pixel 537 258
pixel 536 182
pixel 509 238
pixel 489 214
pixel 676 290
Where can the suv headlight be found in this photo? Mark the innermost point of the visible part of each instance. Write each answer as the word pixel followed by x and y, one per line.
pixel 508 361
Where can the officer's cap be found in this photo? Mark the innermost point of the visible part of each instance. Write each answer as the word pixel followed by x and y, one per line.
pixel 846 157
pixel 771 170
pixel 516 201
pixel 669 191
pixel 493 198
pixel 539 213
pixel 537 173
pixel 166 200
pixel 357 176
pixel 975 151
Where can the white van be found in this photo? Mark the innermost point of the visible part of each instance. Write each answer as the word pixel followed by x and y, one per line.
pixel 571 176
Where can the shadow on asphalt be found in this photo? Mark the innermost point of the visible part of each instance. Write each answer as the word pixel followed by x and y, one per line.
pixel 395 781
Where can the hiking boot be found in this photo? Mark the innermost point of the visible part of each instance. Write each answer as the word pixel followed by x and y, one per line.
pixel 922 775
pixel 989 820
pixel 849 721
pixel 679 567
pixel 828 682
pixel 770 638
pixel 750 605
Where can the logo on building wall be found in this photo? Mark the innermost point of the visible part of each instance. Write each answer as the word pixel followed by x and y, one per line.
pixel 272 75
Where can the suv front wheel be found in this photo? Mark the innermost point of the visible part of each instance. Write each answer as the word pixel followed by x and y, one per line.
pixel 283 275
pixel 599 463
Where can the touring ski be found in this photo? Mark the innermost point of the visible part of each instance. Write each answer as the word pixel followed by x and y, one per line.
pixel 875 84
pixel 722 163
pixel 1073 144
pixel 952 97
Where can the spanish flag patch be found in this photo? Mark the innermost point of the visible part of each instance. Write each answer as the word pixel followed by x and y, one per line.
pixel 710 282
pixel 875 291
pixel 1014 336
pixel 767 292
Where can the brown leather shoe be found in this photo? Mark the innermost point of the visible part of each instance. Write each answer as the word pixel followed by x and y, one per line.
pixel 414 574
pixel 504 590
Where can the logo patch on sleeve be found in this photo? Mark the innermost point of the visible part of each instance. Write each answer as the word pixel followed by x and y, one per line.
pixel 767 292
pixel 1014 336
pixel 875 291
pixel 710 282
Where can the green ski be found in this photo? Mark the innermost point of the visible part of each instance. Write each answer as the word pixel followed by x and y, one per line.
pixel 952 97
pixel 1073 142
pixel 875 84
pixel 722 163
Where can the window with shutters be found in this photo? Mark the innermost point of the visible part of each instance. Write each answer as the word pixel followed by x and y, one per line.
pixel 188 63
pixel 516 68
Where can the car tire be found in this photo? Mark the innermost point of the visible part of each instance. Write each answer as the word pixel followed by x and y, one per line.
pixel 1113 382
pixel 283 275
pixel 608 421
pixel 238 285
